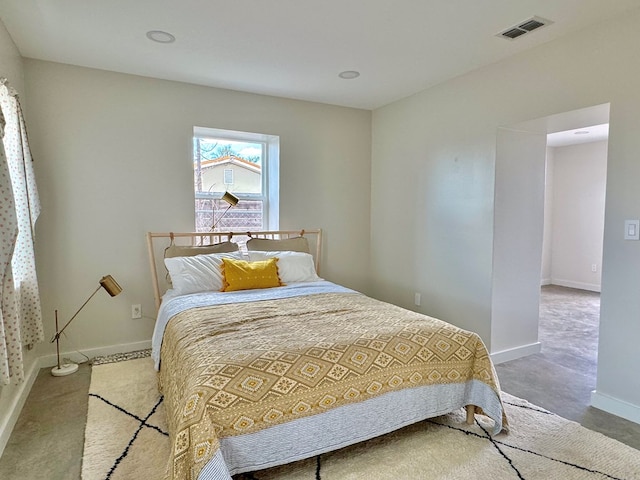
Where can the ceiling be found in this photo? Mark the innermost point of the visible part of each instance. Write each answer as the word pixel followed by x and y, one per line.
pixel 294 48
pixel 594 133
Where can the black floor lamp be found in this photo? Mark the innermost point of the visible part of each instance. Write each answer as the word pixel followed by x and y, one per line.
pixel 111 286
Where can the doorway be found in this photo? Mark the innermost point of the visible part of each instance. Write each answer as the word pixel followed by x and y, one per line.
pixel 521 155
pixel 575 187
pixel 574 200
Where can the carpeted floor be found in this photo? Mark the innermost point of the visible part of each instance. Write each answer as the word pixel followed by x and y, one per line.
pixel 126 439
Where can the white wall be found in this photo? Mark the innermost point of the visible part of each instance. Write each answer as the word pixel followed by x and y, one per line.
pixel 547 238
pixel 432 206
pixel 113 161
pixel 10 61
pixel 517 241
pixel 438 148
pixel 579 176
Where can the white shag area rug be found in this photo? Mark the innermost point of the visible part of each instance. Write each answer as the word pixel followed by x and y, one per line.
pixel 126 438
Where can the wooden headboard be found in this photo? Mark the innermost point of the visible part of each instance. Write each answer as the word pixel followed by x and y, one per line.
pixel 158 242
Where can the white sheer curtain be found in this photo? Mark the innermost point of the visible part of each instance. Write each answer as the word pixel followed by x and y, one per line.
pixel 20 312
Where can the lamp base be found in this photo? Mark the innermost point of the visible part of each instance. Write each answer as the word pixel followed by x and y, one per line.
pixel 65 369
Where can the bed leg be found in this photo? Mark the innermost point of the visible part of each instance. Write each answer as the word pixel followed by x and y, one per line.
pixel 471 410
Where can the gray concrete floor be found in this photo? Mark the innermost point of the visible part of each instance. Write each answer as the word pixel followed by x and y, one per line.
pixel 47 441
pixel 562 376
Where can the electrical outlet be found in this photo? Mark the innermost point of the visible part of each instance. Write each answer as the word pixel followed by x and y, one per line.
pixel 594 267
pixel 632 229
pixel 416 299
pixel 136 311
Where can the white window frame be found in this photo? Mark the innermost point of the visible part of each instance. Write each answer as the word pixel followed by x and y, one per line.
pixel 270 169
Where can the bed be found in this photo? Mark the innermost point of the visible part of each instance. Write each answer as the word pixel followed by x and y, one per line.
pixel 285 366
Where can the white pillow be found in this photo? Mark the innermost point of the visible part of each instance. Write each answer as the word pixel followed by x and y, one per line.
pixel 292 266
pixel 198 273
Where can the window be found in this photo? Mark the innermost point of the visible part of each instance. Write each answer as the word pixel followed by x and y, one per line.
pixel 245 164
pixel 228 176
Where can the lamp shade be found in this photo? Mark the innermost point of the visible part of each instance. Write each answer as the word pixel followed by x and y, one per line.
pixel 230 198
pixel 110 285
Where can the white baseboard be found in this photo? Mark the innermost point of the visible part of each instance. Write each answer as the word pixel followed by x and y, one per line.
pixel 515 353
pixel 9 418
pixel 74 356
pixel 593 287
pixel 545 281
pixel 615 406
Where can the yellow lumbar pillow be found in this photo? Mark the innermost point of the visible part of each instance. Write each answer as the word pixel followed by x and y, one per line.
pixel 243 275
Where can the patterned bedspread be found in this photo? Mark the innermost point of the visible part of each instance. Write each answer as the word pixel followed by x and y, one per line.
pixel 239 368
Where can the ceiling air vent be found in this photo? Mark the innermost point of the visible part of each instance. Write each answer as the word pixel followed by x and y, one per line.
pixel 524 28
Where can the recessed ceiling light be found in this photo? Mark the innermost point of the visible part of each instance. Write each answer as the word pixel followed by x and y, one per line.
pixel 160 36
pixel 581 132
pixel 349 74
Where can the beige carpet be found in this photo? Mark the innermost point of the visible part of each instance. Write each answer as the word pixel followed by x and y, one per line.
pixel 126 439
